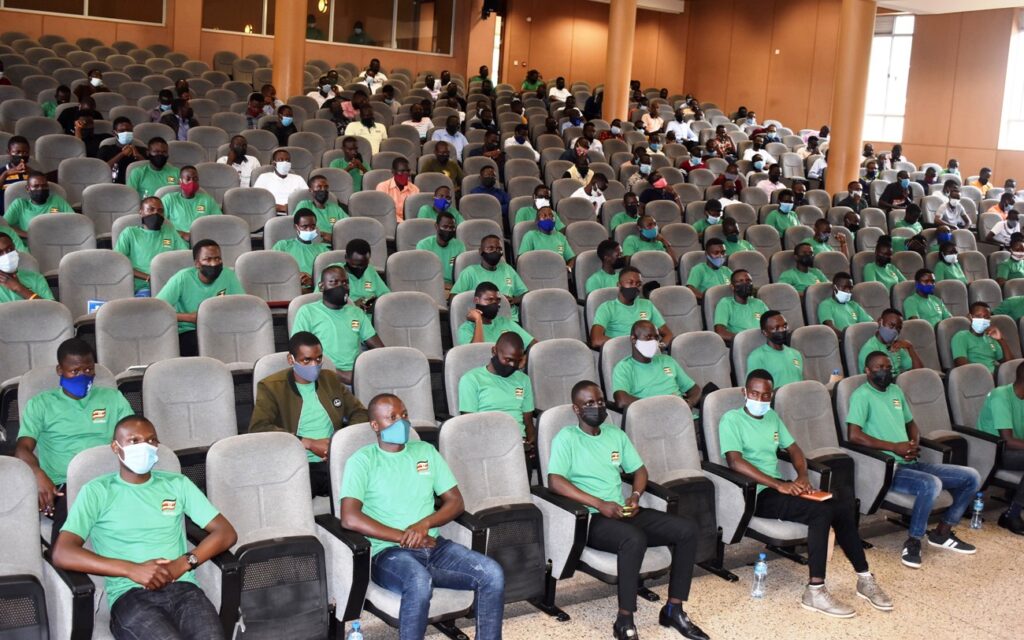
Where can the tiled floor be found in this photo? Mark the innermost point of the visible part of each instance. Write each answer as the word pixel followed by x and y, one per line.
pixel 951 597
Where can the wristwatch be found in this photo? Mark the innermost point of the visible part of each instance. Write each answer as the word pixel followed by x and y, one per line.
pixel 192 561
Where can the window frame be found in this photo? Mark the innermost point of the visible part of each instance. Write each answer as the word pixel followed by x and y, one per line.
pixel 86 15
pixel 886 29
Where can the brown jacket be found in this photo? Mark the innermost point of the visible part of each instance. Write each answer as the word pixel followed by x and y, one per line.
pixel 278 403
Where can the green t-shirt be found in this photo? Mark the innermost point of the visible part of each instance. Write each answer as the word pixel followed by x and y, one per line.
pixel 662 376
pixel 480 390
pixel 594 464
pixel 977 349
pixel 800 280
pixel 903 224
pixel 945 271
pixel 396 489
pixel 758 440
pixel 536 240
pixel 138 522
pixel 326 217
pixel 185 292
pixel 342 332
pixel 636 244
pixel 704 276
pixel 1010 269
pixel 736 317
pixel 1002 410
pixel 369 285
pixel 357 175
pixel 529 214
pixel 63 426
pixel 314 423
pixel 305 253
pixel 140 245
pixel 782 221
pixel 428 211
pixel 881 414
pixel 930 308
pixel 493 331
pixel 820 247
pixel 36 283
pixel 888 276
pixel 504 277
pixel 22 211
pixel 841 315
pixel 618 219
pixel 702 225
pixel 900 358
pixel 532 86
pixel 146 180
pixel 601 279
pixel 182 211
pixel 446 255
pixel 618 318
pixel 785 365
pixel 736 247
pixel 19 244
pixel 1012 306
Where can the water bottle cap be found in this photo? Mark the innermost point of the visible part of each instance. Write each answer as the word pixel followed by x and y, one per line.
pixel 355 625
pixel 980 494
pixel 762 556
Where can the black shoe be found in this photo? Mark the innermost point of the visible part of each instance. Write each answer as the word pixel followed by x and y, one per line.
pixel 681 622
pixel 625 631
pixel 1013 525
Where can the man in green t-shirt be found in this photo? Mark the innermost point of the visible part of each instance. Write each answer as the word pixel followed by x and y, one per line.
pixel 134 520
pixel 364 283
pixel 61 422
pixel 39 201
pixel 546 238
pixel 632 209
pixel 1012 306
pixel 733 242
pixel 541 199
pixel 141 244
pixel 948 267
pixel 882 269
pixel 804 274
pixel 784 217
pixel 648 372
pixel 821 242
pixel 785 363
pixel 1002 415
pixel 840 310
pixel 923 303
pixel 442 203
pixel 982 343
pixel 616 317
pixel 352 163
pixel 483 324
pixel 308 402
pixel 18 284
pixel 500 385
pixel 887 339
pixel 322 203
pixel 146 179
pixel 492 269
pixel 189 204
pixel 648 238
pixel 533 80
pixel 388 494
pixel 740 312
pixel 750 439
pixel 712 216
pixel 879 418
pixel 188 288
pixel 444 245
pixel 612 262
pixel 341 325
pixel 586 465
pixel 711 272
pixel 305 247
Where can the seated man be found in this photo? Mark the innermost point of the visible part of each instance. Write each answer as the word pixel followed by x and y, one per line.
pixel 882 269
pixel 579 469
pixel 187 289
pixel 119 156
pixel 352 163
pixel 442 203
pixel 784 217
pixel 281 181
pixel 501 386
pixel 733 242
pixel 494 270
pixel 951 212
pixel 594 192
pixel 783 362
pixel 649 238
pixel 483 324
pixel 388 494
pixel 711 272
pixel 364 283
pixel 840 310
pixel 822 234
pixel 442 162
pixel 982 343
pixel 1013 268
pixel 188 205
pixel 712 216
pixel 61 422
pixel 134 519
pixel 284 126
pixel 238 158
pixel 897 194
pixel 612 262
pixel 887 340
pixel 1001 231
pixel 327 210
pixel 16 170
pixel 309 402
pixel 804 273
pixel 632 209
pixel 305 247
pixel 367 127
pixel 18 284
pixel 1002 415
pixel 750 439
pixel 773 182
pixel 142 243
pixel 148 178
pixel 488 185
pixel 616 317
pixel 648 372
pixel 39 201
pixel 546 238
pixel 923 303
pixel 948 267
pixel 911 219
pixel 855 197
pixel 399 187
pixel 341 326
pixel 444 245
pixel 880 418
pixel 741 311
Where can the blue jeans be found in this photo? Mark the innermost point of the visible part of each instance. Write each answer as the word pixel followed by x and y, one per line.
pixel 926 481
pixel 413 573
pixel 179 611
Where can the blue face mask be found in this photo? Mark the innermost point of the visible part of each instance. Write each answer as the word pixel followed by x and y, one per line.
pixel 645 169
pixel 758 165
pixel 925 289
pixel 397 433
pixel 165 107
pixel 904 182
pixel 716 262
pixel 944 237
pixel 547 225
pixel 650 234
pixel 441 204
pixel 308 372
pixel 286 121
pixel 520 140
pixel 655 146
pixel 78 386
pixel 785 207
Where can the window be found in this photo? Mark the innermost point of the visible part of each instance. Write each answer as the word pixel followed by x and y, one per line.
pixel 151 11
pixel 1011 131
pixel 887 78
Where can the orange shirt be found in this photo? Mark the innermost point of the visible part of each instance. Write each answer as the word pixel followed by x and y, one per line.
pixel 398 195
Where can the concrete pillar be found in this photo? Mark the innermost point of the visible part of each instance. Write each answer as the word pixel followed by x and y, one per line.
pixel 621 34
pixel 849 91
pixel 289 47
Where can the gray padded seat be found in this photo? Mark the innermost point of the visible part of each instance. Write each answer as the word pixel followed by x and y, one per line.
pixel 236 329
pixel 551 313
pixel 253 205
pixel 377 206
pixel 820 348
pixel 409 319
pixel 135 332
pixel 190 401
pixel 269 275
pixel 542 270
pixel 367 229
pixel 457 361
pixel 704 357
pixel 403 371
pixel 94 274
pixel 77 174
pixel 555 366
pixel 417 270
pixel 230 232
pixel 51 237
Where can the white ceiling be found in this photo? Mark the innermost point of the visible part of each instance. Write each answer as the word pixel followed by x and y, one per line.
pixel 946 6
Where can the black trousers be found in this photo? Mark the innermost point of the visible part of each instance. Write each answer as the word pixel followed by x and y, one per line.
pixel 629 539
pixel 819 518
pixel 1013 459
pixel 320 478
pixel 188 344
pixel 60 514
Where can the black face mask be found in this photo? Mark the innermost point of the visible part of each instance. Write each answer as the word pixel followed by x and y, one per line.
pixel 492 258
pixel 87 132
pixel 321 196
pixel 336 296
pixel 367 122
pixel 211 272
pixel 153 222
pixel 732 237
pixel 489 182
pixel 805 261
pixel 488 311
pixel 443 160
pixel 452 130
pixel 632 209
pixel 40 196
pixel 502 369
pixel 594 416
pixel 728 193
pixel 356 271
pixel 882 260
pixel 619 263
pixel 158 161
pixel 240 152
pixel 779 337
pixel 881 378
pixel 853 227
pixel 744 290
pixel 446 234
pixel 629 294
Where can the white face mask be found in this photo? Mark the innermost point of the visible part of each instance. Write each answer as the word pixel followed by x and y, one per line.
pixel 95 82
pixel 647 348
pixel 950 258
pixel 980 325
pixel 842 297
pixel 308 236
pixel 140 457
pixel 542 202
pixel 714 219
pixel 9 262
pixel 757 408
pixel 283 167
pixel 1017 255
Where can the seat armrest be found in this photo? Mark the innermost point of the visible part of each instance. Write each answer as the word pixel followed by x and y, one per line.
pixel 565 530
pixel 984 451
pixel 977 434
pixel 566 504
pixel 225 560
pixel 818 473
pixel 735 496
pixel 658 497
pixel 69 601
pixel 467 530
pixel 873 475
pixel 222 576
pixel 935 452
pixel 347 557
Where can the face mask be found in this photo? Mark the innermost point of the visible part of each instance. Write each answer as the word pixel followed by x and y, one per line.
pixel 980 325
pixel 325 88
pixel 805 261
pixel 883 260
pixel 779 337
pixel 728 193
pixel 367 122
pixel 925 289
pixel 283 167
pixel 286 121
pixel 540 203
pixel 158 161
pixel 211 272
pixel 881 378
pixel 679 117
pixel 320 196
pixel 904 182
pixel 871 175
pixel 616 131
pixel 660 183
pixel 40 196
pixel 492 258
pixel 189 189
pixel 125 137
pixel 751 120
pixel 944 237
pixel 397 433
pixel 757 408
pixel 441 204
pixel 546 225
pixel 714 219
pixel 645 169
pixel 152 222
pixel 140 458
pixel 78 386
pixel 95 81
pixel 744 290
pixel 785 207
pixel 842 297
pixel 629 294
pixel 594 416
pixel 240 152
pixel 822 237
pixel 489 182
pixel 732 237
pixel 443 160
pixel 165 107
pixel 445 235
pixel 9 262
pixel 853 227
pixel 887 334
pixel 402 179
pixel 308 372
pixel 758 165
pixel 647 348
pixel 619 263
pixel 1011 224
pixel 336 296
pixel 489 311
pixel 950 258
pixel 520 139
pixel 655 146
pixel 502 369
pixel 716 262
pixel 649 234
pixel 452 130
pixel 308 236
pixel 357 31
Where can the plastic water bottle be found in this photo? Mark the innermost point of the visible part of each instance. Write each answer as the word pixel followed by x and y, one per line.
pixel 356 633
pixel 760 577
pixel 979 506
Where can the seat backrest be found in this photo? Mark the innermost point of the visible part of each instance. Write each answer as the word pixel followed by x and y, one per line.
pixel 655 266
pixel 968 386
pixel 743 345
pixel 782 297
pixel 485 453
pixel 712 296
pixel 678 306
pixel 103 203
pixel 190 401
pixel 873 296
pixel 551 422
pixel 662 430
pixel 402 371
pixel 236 328
pixel 704 357
pixel 230 232
pixel 417 270
pixel 806 409
pixel 135 332
pixel 94 274
pixel 165 265
pixel 19 517
pixel 269 275
pixel 98 461
pixel 843 391
pixel 921 334
pixel 927 398
pixel 459 360
pixel 376 205
pixel 820 348
pixel 543 270
pixel 717 404
pixel 547 314
pixel 755 263
pixel 944 332
pixel 254 205
pixel 51 237
pixel 365 229
pixel 555 366
pixel 409 319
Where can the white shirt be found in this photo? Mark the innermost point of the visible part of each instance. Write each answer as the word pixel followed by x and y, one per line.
pixel 767 186
pixel 244 169
pixel 767 157
pixel 727 201
pixel 319 97
pixel 682 131
pixel 511 142
pixel 281 187
pixel 559 94
pixel 1001 232
pixel 817 168
pixel 596 197
pixel 375 83
pixel 595 144
pixel 953 214
pixel 421 127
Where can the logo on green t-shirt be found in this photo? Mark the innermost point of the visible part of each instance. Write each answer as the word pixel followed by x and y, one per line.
pixel 616 458
pixel 99 415
pixel 422 467
pixel 168 506
pixel 519 393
